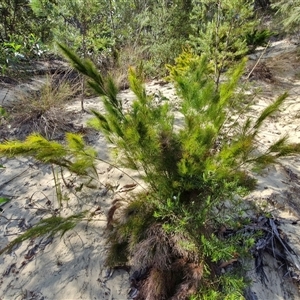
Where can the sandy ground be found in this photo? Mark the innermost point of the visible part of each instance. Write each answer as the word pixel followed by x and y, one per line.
pixel 73 266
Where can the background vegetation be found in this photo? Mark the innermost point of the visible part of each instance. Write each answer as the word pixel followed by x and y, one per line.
pixel 112 33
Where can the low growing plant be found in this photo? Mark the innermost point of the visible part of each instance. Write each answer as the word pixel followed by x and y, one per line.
pixel 258 38
pixel 42 110
pixel 189 171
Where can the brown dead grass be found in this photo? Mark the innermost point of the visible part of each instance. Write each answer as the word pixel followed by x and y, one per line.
pixel 260 72
pixel 285 65
pixel 175 270
pixel 43 111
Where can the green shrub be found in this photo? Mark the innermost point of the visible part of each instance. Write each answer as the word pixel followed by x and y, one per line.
pixel 219 29
pixel 191 172
pixel 258 38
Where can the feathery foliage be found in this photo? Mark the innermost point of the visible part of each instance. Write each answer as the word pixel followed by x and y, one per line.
pixel 290 11
pixel 49 226
pixel 75 155
pixel 190 171
pixel 219 31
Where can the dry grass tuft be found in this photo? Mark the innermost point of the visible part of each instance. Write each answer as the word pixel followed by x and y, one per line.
pixel 130 56
pixel 157 286
pixel 178 282
pixel 193 274
pixel 261 72
pixel 171 259
pixel 163 248
pixel 175 271
pixel 42 110
pixel 155 250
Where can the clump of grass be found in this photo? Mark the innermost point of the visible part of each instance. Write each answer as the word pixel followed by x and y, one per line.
pixel 127 223
pixel 132 56
pixel 173 265
pixel 43 110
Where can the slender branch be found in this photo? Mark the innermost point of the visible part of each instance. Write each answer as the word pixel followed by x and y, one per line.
pixel 259 59
pixel 124 172
pixel 14 177
pixel 119 169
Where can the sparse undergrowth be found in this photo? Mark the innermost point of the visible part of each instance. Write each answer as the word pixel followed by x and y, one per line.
pixel 42 110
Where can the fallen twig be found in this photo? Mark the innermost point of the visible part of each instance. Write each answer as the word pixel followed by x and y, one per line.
pixel 259 59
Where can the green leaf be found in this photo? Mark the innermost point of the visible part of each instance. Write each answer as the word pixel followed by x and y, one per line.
pixel 3 112
pixel 268 111
pixel 3 200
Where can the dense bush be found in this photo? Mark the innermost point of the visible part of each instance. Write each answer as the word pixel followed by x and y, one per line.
pixel 155 31
pixel 22 34
pixel 191 173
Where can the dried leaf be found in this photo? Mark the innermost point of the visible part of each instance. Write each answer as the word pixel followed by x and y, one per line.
pixel 128 187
